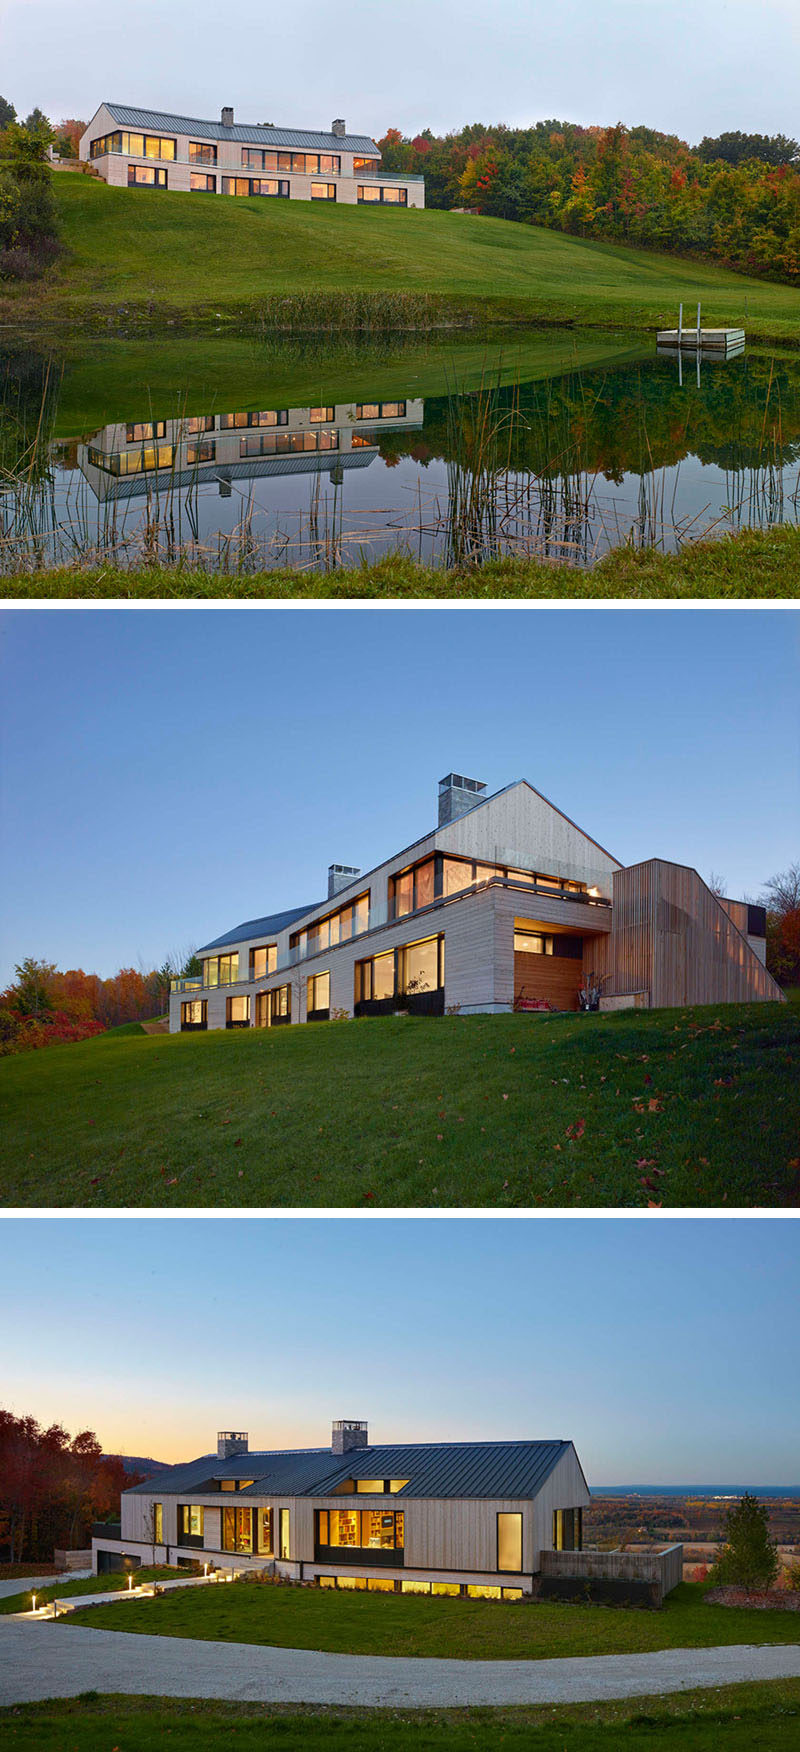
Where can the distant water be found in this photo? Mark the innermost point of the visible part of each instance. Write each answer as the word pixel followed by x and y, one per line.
pixel 784 1492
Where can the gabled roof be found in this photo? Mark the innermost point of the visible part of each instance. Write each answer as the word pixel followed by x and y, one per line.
pixel 248 134
pixel 514 1470
pixel 253 928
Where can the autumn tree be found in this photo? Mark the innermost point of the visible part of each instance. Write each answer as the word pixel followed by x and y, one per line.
pixel 782 901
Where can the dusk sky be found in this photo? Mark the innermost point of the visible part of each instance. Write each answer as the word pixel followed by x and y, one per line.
pixel 688 69
pixel 169 774
pixel 666 1351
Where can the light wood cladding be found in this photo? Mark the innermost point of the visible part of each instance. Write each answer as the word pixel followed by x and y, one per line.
pixel 671 937
pixel 555 977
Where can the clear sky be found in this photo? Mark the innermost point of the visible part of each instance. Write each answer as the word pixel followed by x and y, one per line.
pixel 168 774
pixel 687 68
pixel 666 1350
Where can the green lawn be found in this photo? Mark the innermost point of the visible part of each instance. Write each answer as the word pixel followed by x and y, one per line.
pixel 753 564
pixel 740 1718
pixel 418 1625
pixel 148 256
pixel 107 1584
pixel 680 1107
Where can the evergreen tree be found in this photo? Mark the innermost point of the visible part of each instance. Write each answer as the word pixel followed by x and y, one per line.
pixel 749 1557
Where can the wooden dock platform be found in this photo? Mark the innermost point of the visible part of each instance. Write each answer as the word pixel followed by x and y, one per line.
pixel 719 340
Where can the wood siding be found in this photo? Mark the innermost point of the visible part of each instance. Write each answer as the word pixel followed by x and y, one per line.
pixel 557 978
pixel 671 937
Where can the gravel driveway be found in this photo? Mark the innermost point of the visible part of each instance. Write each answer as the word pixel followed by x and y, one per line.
pixel 59 1660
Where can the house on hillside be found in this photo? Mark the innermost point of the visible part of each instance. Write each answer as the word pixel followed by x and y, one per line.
pixel 440 1517
pixel 138 148
pixel 506 903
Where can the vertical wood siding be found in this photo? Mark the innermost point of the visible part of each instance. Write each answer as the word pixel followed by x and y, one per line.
pixel 671 937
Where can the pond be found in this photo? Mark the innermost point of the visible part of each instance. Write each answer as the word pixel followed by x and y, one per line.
pixel 245 455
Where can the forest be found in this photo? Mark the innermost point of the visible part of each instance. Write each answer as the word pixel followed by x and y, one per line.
pixel 53 1486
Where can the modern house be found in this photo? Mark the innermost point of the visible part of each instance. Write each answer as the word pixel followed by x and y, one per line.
pixel 440 1517
pixel 506 903
pixel 127 459
pixel 138 148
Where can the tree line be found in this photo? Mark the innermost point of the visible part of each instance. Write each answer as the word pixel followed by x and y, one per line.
pixel 29 240
pixel 52 1487
pixel 734 198
pixel 45 1007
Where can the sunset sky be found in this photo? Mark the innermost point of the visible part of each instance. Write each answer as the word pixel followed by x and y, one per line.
pixel 691 70
pixel 666 1351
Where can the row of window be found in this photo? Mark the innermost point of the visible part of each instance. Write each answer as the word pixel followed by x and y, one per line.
pixel 360 1529
pixel 144 431
pixel 245 1531
pixel 205 152
pixel 153 176
pixel 412 971
pixel 437 877
pixel 385 1585
pixel 336 927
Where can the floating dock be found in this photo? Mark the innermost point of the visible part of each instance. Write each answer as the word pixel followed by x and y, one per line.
pixel 705 340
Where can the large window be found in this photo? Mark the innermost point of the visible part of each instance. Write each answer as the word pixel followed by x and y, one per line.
pixel 412 975
pixel 190 1524
pixel 135 145
pixel 439 877
pixel 221 970
pixel 146 176
pixel 251 185
pixel 322 416
pixel 194 1014
pixel 237 1529
pixel 200 182
pixel 381 410
pixel 568 1529
pixel 318 997
pixel 202 152
pixel 284 1532
pixel 541 943
pixel 200 450
pixel 323 191
pixel 158 1523
pixel 288 443
pixel 263 961
pixel 349 1533
pixel 509 1542
pixel 306 163
pixel 237 1012
pixel 375 193
pixel 140 431
pixel 247 417
pixel 337 927
pixel 280 1005
pixel 367 164
pixel 265 1532
pixel 412 889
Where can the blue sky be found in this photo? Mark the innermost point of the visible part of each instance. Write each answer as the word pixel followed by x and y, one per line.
pixel 170 773
pixel 688 69
pixel 665 1350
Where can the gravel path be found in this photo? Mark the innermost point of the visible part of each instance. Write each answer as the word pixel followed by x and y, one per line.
pixel 60 1660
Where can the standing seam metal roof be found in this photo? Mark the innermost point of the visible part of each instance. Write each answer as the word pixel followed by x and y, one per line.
pixel 255 134
pixel 515 1470
pixel 253 928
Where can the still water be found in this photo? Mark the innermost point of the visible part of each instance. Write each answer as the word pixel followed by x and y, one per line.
pixel 245 455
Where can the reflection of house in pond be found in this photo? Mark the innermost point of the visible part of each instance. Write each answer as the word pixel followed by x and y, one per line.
pixel 133 458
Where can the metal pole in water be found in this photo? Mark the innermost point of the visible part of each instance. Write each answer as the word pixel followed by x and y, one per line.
pixel 680 325
pixel 698 328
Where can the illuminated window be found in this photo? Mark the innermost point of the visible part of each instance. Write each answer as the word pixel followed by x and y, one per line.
pixel 135 145
pixel 139 431
pixel 146 176
pixel 288 443
pixel 482 1593
pixel 380 1585
pixel 158 1523
pixel 280 1005
pixel 321 416
pixel 323 191
pixel 567 1529
pixel 202 153
pixel 381 410
pixel 194 1014
pixel 511 1593
pixel 248 417
pixel 369 192
pixel 202 183
pixel 357 1582
pixel 264 1532
pixel 237 1012
pixel 383 976
pixel 393 197
pixel 361 1529
pixel 415 1587
pixel 263 961
pixel 509 1542
pixel 318 996
pixel 445 1587
pixel 237 1529
pixel 347 921
pixel 221 970
pixel 200 450
pixel 367 164
pixel 249 185
pixel 190 1522
pixel 420 966
pixel 284 1532
pixel 326 1581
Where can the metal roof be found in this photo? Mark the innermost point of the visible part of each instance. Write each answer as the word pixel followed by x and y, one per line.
pixel 246 134
pixel 254 928
pixel 515 1470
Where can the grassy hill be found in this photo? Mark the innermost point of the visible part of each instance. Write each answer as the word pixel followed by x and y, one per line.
pixel 675 1107
pixel 148 256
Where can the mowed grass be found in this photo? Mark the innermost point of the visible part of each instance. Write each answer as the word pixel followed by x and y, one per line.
pixel 108 1584
pixel 756 563
pixel 675 1108
pixel 740 1718
pixel 418 1625
pixel 155 256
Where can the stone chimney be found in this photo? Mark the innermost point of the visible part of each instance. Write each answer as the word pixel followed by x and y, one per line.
pixel 340 876
pixel 347 1435
pixel 457 795
pixel 231 1442
pixel 227 118
pixel 338 128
